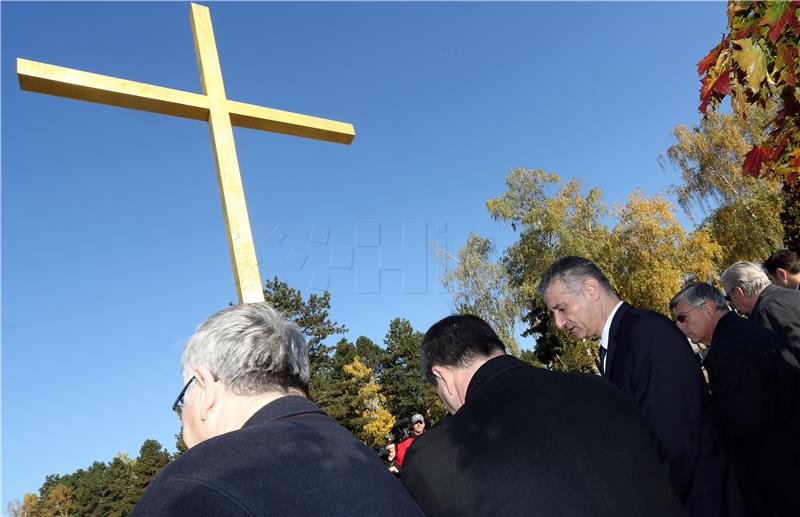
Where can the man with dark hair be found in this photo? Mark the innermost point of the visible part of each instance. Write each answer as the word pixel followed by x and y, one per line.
pixel 526 441
pixel 257 445
pixel 755 396
pixel 645 355
pixel 783 269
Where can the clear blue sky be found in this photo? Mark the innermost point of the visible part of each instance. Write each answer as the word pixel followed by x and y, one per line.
pixel 113 245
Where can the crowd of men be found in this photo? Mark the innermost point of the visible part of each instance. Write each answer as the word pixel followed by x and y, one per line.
pixel 660 434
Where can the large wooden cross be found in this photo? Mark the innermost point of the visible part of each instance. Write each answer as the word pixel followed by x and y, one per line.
pixel 221 114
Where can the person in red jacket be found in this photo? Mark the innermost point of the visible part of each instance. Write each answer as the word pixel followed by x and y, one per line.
pixel 417 428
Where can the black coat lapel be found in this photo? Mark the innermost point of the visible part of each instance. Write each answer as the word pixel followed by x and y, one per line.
pixel 613 337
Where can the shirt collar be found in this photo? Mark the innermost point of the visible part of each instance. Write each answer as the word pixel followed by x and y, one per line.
pixel 607 326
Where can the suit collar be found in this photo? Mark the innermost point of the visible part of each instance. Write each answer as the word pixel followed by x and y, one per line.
pixel 766 292
pixel 490 369
pixel 283 407
pixel 616 322
pixel 726 319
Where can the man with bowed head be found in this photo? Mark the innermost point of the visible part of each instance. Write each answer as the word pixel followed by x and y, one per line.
pixel 645 355
pixel 257 445
pixel 527 441
pixel 755 395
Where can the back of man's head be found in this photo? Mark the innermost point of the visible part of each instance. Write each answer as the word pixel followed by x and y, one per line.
pixel 457 341
pixel 747 276
pixel 252 349
pixel 784 259
pixel 572 271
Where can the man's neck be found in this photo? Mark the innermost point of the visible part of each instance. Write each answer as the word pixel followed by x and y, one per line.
pixel 243 407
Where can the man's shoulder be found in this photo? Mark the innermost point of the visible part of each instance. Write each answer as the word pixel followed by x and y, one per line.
pixel 648 324
pixel 775 296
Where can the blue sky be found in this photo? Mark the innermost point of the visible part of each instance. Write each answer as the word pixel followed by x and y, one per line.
pixel 113 245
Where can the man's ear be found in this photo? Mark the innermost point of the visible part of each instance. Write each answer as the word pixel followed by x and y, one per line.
pixel 591 288
pixel 444 378
pixel 781 274
pixel 207 391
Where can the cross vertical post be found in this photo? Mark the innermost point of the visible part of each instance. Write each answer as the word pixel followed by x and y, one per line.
pixel 234 207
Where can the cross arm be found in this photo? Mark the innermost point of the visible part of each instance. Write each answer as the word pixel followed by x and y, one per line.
pixel 76 84
pixel 86 86
pixel 288 123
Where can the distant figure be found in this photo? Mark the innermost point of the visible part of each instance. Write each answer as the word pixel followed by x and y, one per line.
pixel 526 441
pixel 645 355
pixel 783 269
pixel 391 459
pixel 257 445
pixel 417 428
pixel 748 288
pixel 755 394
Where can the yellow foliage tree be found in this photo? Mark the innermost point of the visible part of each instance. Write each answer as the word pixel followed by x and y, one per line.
pixel 650 256
pixel 29 502
pixel 374 421
pixel 741 212
pixel 57 502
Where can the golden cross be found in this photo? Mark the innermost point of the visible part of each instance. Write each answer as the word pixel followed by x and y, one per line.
pixel 221 114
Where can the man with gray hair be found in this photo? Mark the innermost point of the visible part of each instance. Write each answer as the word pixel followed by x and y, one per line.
pixel 645 355
pixel 755 396
pixel 257 445
pixel 749 289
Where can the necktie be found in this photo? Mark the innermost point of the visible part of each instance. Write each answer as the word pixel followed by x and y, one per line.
pixel 602 359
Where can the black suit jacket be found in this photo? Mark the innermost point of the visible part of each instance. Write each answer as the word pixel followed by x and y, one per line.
pixel 778 309
pixel 755 393
pixel 288 459
pixel 529 441
pixel 652 362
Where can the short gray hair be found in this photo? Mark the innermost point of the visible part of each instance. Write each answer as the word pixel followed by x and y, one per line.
pixel 572 271
pixel 748 276
pixel 251 348
pixel 699 293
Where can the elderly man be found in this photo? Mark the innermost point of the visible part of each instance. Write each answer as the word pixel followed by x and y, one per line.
pixel 748 288
pixel 257 445
pixel 755 394
pixel 783 269
pixel 645 355
pixel 526 441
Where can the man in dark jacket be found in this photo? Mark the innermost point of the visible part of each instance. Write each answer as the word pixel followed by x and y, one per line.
pixel 257 445
pixel 645 355
pixel 755 394
pixel 526 441
pixel 749 290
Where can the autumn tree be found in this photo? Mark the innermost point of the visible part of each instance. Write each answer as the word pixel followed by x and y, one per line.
pixel 649 255
pixel 56 501
pixel 480 285
pixel 741 212
pixel 757 62
pixel 372 421
pixel 639 244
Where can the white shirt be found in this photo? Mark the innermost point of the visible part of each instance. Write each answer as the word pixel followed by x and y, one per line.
pixel 606 330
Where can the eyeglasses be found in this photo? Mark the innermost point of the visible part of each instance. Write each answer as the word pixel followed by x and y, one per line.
pixel 177 406
pixel 680 318
pixel 727 297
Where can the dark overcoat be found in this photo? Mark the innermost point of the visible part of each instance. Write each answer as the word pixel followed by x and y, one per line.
pixel 755 394
pixel 652 362
pixel 528 441
pixel 288 459
pixel 778 309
